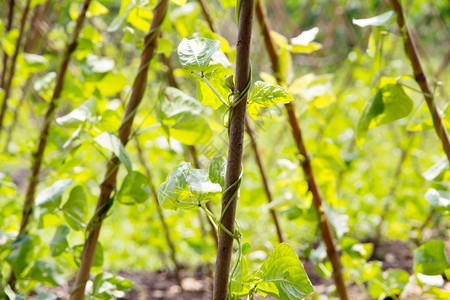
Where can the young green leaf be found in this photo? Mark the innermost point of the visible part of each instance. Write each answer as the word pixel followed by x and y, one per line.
pixel 217 170
pixel 79 114
pixel 439 200
pixel 45 272
pixel 377 21
pixel 110 141
pixel 194 55
pixel 59 242
pixel 283 275
pixel 51 197
pixel 134 189
pixel 435 170
pixel 187 188
pixel 22 254
pixel 389 104
pixel 107 286
pixel 217 79
pixel 431 258
pixel 181 118
pixel 303 43
pixel 266 95
pixel 75 209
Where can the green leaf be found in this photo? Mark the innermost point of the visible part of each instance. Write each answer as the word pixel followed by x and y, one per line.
pixel 75 209
pixel 439 200
pixel 45 272
pixel 266 95
pixel 9 41
pixel 435 170
pixel 44 296
pixel 194 55
pixel 431 259
pixel 107 286
pixel 111 142
pixel 34 63
pixel 187 188
pixel 217 79
pixel 134 189
pixel 96 9
pixel 79 114
pixel 99 64
pixel 59 242
pixel 181 118
pixel 283 275
pixel 51 197
pixel 389 104
pixel 303 43
pixel 217 170
pixel 378 21
pixel 22 254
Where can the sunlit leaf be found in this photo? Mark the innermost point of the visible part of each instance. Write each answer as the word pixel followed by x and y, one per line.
pixel 217 170
pixel 107 286
pixel 134 189
pixel 187 188
pixel 79 114
pixel 283 275
pixel 110 141
pixel 51 196
pixel 431 258
pixel 59 242
pixel 75 209
pixel 439 200
pixel 380 20
pixel 195 55
pixel 266 95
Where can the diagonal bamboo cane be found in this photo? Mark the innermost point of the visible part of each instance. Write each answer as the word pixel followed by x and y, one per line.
pixel 421 78
pixel 325 228
pixel 38 155
pixel 109 182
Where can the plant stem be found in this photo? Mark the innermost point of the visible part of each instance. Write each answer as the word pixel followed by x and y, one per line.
pixel 7 29
pixel 109 183
pixel 235 150
pixel 12 67
pixel 421 78
pixel 263 173
pixel 258 158
pixel 324 224
pixel 173 255
pixel 37 156
pixel 207 16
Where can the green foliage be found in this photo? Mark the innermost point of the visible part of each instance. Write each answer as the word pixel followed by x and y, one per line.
pixel 266 95
pixel 217 170
pixel 195 55
pixel 111 142
pixel 431 258
pixel 134 189
pixel 187 188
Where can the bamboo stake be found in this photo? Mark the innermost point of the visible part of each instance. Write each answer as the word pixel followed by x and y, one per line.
pixel 324 224
pixel 12 67
pixel 421 78
pixel 173 254
pixel 7 29
pixel 37 156
pixel 235 150
pixel 259 160
pixel 109 182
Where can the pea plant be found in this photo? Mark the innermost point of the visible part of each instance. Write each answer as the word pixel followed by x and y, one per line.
pixel 224 149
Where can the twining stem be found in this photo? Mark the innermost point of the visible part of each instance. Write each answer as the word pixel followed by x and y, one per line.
pixel 325 228
pixel 39 153
pixel 251 134
pixel 263 173
pixel 12 66
pixel 109 182
pixel 235 150
pixel 173 254
pixel 191 148
pixel 7 29
pixel 421 78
